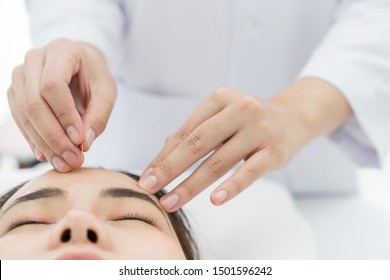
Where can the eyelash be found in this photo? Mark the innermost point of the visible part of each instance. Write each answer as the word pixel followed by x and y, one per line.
pixel 25 221
pixel 132 216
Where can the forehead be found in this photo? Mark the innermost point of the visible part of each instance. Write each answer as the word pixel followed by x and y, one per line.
pixel 85 180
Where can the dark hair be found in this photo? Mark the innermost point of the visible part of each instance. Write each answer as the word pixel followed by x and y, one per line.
pixel 180 224
pixel 5 197
pixel 178 220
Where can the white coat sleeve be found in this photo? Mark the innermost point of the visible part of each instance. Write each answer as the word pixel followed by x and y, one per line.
pixel 354 56
pixel 98 22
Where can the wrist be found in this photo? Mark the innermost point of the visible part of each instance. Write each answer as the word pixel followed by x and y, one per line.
pixel 317 105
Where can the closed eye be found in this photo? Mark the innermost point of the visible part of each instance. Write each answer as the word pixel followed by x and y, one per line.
pixel 135 217
pixel 24 222
pixel 19 223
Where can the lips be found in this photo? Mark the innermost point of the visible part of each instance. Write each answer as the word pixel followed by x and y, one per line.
pixel 79 256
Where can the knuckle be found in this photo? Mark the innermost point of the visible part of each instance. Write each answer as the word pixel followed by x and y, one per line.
pixel 193 143
pixel 31 54
pixel 165 169
pixel 76 53
pixel 181 134
pixel 45 149
pixel 237 186
pixel 53 142
pixel 249 104
pixel 187 190
pixel 56 41
pixel 59 42
pixel 215 165
pixel 32 109
pixel 253 173
pixel 220 93
pixel 65 114
pixel 276 150
pixel 48 86
pixel 222 90
pixel 157 161
pixel 17 73
pixel 72 49
pixel 279 154
pixel 10 94
pixel 25 122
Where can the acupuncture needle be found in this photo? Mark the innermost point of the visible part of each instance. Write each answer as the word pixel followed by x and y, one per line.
pixel 82 154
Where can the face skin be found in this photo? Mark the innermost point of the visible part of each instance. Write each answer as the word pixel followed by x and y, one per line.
pixel 80 219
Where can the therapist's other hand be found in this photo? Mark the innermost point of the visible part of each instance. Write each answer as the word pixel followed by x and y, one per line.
pixel 61 97
pixel 236 127
pixel 230 126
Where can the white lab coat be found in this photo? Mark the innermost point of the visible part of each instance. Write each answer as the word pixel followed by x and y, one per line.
pixel 168 55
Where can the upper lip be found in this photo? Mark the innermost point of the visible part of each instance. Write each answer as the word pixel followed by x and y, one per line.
pixel 79 256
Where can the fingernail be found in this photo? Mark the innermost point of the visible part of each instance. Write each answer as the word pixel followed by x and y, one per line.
pixel 147 172
pixel 149 183
pixel 37 153
pixel 220 196
pixel 70 157
pixel 73 134
pixel 169 201
pixel 58 163
pixel 90 137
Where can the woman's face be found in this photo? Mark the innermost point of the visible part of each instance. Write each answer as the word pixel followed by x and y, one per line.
pixel 85 214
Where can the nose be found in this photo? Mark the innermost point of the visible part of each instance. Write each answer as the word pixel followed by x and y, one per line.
pixel 79 227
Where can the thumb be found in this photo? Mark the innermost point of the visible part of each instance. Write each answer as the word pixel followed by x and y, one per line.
pixel 98 112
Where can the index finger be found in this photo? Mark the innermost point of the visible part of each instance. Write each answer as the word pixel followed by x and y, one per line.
pixel 63 66
pixel 205 138
pixel 211 106
pixel 37 117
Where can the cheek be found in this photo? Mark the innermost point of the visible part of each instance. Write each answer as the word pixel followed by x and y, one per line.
pixel 145 244
pixel 22 246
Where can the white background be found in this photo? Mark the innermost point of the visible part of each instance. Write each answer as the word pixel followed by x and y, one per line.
pixel 15 41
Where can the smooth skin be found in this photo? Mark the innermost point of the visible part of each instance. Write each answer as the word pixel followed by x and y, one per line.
pixel 230 125
pixel 122 227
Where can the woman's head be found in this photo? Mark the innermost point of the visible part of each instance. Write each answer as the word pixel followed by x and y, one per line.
pixel 89 213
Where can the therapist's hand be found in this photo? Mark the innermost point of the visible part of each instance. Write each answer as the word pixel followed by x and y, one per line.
pixel 61 98
pixel 265 134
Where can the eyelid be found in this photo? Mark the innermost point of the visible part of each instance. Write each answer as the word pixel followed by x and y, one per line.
pixel 25 221
pixel 134 216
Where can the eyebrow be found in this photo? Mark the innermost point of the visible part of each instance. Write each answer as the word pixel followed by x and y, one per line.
pixel 112 192
pixel 109 192
pixel 39 194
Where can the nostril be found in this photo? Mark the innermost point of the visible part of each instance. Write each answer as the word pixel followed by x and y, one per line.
pixel 92 236
pixel 66 235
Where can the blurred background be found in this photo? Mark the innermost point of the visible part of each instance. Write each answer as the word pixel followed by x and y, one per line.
pixel 14 30
pixel 338 217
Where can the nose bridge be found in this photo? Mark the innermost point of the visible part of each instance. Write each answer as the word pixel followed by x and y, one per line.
pixel 79 226
pixel 79 218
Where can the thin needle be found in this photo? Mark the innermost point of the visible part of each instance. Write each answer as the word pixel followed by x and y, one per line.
pixel 82 153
